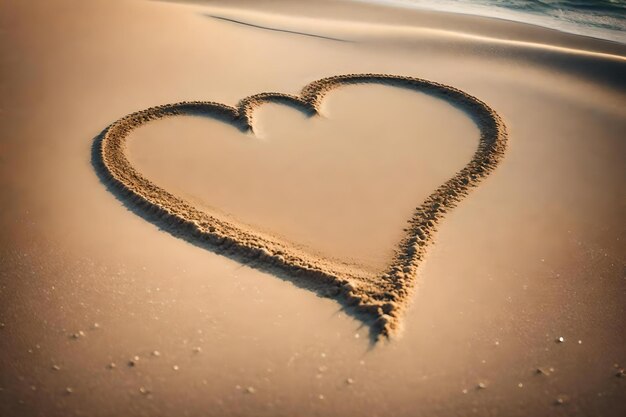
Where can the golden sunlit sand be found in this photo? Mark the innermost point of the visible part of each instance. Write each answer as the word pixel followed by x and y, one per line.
pixel 177 241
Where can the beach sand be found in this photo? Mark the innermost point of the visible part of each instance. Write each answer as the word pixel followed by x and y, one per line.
pixel 532 252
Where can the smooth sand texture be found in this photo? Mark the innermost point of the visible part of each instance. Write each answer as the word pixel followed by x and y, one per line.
pixel 534 253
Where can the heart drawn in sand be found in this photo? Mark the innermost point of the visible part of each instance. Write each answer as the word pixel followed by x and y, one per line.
pixel 380 297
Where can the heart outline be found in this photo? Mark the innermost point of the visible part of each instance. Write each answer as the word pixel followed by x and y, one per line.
pixel 382 297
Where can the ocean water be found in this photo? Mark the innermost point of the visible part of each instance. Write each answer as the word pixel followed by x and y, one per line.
pixel 604 19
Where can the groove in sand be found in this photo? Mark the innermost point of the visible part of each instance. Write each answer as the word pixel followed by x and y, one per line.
pixel 381 298
pixel 293 32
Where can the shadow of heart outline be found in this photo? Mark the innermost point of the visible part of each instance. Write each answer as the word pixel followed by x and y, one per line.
pixel 379 300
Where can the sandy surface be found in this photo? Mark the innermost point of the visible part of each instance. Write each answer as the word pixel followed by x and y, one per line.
pixel 534 253
pixel 354 211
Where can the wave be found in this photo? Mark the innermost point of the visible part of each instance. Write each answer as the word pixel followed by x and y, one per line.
pixel 603 19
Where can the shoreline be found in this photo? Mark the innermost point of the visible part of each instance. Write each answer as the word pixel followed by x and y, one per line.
pixel 365 12
pixel 509 15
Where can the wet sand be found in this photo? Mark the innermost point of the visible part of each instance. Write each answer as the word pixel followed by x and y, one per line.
pixel 535 252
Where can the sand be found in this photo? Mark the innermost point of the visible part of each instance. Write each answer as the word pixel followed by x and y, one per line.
pixel 533 253
pixel 383 293
pixel 333 215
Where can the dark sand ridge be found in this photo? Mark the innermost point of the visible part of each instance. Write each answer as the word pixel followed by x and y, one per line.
pixel 381 298
pixel 226 19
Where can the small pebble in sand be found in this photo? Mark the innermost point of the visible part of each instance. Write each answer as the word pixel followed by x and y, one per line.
pixel 95 326
pixel 580 342
pixel 175 367
pixel 250 390
pixel 56 368
pixel 542 371
pixel 69 390
pixel 33 388
pixel 78 334
pixel 560 339
pixel 560 400
pixel 111 365
pixel 156 353
pixel 464 391
pixel 197 349
pixel 520 385
pixel 144 391
pixel 349 381
pixel 133 361
pixel 1 325
pixel 497 343
pixel 321 396
pixel 481 385
pixel 621 373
